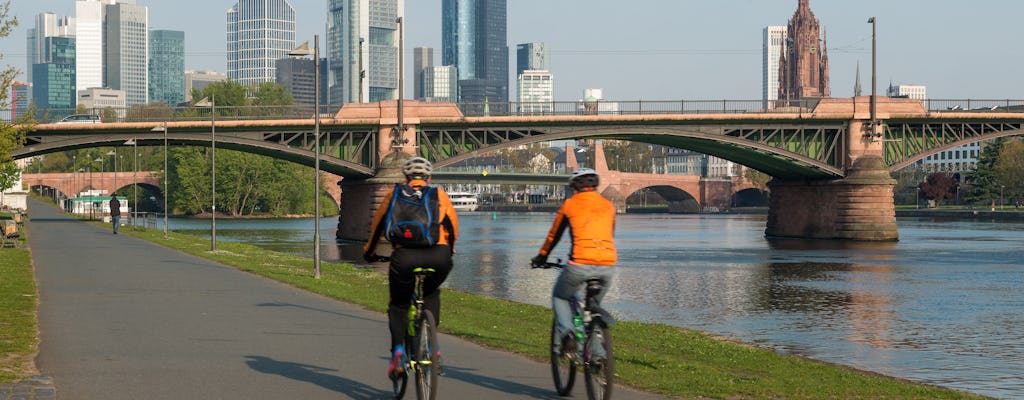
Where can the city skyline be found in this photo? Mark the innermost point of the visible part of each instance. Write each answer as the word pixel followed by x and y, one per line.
pixel 673 50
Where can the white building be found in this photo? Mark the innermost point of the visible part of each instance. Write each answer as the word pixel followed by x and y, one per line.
pixel 126 51
pixel 919 92
pixel 17 196
pixel 96 99
pixel 89 43
pixel 200 80
pixel 593 102
pixel 773 47
pixel 536 90
pixel 440 84
pixel 259 32
pixel 362 36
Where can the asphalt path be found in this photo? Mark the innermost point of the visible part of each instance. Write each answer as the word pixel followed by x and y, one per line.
pixel 122 318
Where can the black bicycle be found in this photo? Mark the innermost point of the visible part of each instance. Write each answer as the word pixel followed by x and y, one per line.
pixel 421 341
pixel 590 347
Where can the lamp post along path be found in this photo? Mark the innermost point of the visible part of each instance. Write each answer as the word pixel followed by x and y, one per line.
pixel 166 184
pixel 304 50
pixel 212 102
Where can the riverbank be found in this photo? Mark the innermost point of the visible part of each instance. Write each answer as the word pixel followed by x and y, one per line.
pixel 654 357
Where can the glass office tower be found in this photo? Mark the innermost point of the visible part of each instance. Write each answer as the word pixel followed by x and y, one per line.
pixel 474 40
pixel 259 32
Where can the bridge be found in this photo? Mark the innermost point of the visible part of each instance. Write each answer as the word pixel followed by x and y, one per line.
pixel 830 163
pixel 71 183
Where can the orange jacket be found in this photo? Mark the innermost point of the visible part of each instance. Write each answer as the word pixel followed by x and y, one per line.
pixel 591 222
pixel 445 213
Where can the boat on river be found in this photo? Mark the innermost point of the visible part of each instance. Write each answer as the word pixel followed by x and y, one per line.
pixel 463 201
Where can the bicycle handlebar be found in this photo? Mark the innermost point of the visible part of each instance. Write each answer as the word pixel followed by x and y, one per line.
pixel 548 265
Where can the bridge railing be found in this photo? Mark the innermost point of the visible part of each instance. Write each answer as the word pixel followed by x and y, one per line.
pixel 160 113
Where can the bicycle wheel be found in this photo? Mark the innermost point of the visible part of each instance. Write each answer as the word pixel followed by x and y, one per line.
pixel 599 371
pixel 428 361
pixel 563 363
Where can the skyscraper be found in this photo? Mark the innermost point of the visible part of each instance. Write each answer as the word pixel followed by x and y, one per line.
pixel 362 37
pixel 532 56
pixel 773 47
pixel 89 42
pixel 54 80
pixel 259 32
pixel 803 72
pixel 47 25
pixel 474 40
pixel 536 92
pixel 126 50
pixel 167 66
pixel 422 58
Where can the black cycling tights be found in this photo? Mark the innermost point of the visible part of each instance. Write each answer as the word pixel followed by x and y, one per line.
pixel 402 281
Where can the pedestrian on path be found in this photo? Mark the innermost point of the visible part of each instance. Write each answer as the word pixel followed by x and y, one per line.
pixel 115 212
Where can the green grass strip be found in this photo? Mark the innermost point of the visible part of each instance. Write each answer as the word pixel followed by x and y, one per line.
pixel 655 357
pixel 18 302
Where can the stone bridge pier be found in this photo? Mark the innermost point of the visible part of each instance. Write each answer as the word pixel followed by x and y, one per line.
pixel 857 207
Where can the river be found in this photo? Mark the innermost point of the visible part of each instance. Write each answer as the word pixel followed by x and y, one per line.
pixel 944 305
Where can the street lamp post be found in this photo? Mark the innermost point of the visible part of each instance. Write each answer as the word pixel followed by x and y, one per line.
pixel 213 167
pixel 163 128
pixel 303 50
pixel 874 83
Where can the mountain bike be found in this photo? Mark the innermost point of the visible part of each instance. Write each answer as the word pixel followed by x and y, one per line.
pixel 590 347
pixel 421 341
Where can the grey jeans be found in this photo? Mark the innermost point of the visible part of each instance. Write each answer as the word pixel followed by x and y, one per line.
pixel 569 283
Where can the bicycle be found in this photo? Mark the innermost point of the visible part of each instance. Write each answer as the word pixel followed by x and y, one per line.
pixel 421 341
pixel 583 349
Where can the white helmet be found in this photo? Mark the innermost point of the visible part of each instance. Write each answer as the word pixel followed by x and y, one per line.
pixel 417 166
pixel 583 178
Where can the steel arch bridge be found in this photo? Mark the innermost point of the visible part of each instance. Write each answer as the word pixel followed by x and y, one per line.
pixel 783 145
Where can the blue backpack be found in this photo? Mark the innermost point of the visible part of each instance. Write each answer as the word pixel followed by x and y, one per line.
pixel 411 220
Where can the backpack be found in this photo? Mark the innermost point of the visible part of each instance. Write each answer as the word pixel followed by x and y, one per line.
pixel 411 220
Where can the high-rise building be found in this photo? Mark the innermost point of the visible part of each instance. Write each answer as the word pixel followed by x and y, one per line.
pixel 362 49
pixel 167 66
pixel 298 77
pixel 199 80
pixel 440 84
pixel 803 72
pixel 474 40
pixel 53 88
pixel 89 42
pixel 772 48
pixel 126 50
pixel 259 32
pixel 21 99
pixel 532 56
pixel 47 25
pixel 536 92
pixel 422 58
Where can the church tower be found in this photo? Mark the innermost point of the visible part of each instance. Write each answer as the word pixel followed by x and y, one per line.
pixel 803 67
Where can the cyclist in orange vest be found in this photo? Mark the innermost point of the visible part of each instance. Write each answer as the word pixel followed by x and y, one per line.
pixel 401 281
pixel 590 219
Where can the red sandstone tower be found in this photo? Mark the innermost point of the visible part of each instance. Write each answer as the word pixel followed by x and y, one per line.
pixel 803 68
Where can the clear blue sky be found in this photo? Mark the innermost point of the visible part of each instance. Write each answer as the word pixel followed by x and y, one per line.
pixel 673 49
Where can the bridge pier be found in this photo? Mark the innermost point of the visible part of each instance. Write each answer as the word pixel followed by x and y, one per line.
pixel 858 207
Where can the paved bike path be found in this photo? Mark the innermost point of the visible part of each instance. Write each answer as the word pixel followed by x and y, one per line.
pixel 122 318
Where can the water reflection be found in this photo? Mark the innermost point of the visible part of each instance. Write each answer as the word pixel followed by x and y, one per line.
pixel 942 305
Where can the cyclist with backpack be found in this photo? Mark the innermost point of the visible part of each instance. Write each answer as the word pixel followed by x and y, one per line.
pixel 420 222
pixel 590 219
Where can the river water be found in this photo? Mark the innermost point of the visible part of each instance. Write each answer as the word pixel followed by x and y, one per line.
pixel 944 305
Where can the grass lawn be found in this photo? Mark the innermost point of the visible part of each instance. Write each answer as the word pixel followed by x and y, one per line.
pixel 18 302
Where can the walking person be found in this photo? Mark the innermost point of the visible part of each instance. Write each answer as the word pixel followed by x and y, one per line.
pixel 420 222
pixel 115 212
pixel 590 219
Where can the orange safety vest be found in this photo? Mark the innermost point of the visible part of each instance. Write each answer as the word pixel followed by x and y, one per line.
pixel 447 218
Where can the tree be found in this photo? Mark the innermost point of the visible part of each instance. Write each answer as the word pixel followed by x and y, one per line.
pixel 984 185
pixel 758 178
pixel 1009 168
pixel 12 136
pixel 936 187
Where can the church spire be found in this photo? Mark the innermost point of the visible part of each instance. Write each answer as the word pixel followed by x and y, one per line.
pixel 856 84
